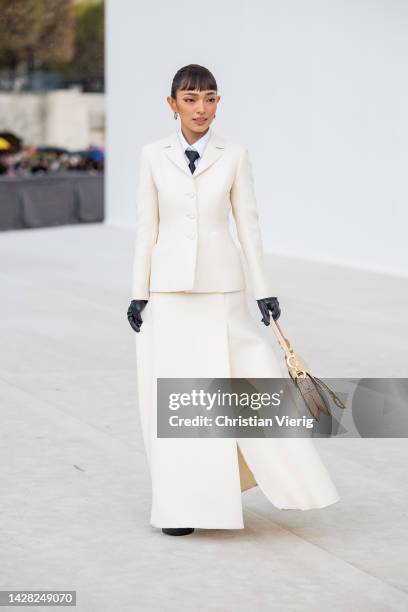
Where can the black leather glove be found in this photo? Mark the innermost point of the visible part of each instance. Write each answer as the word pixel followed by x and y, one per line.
pixel 266 305
pixel 133 313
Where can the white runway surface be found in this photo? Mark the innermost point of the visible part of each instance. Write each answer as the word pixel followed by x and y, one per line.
pixel 74 484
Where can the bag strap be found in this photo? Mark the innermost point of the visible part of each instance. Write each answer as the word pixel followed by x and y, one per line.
pixel 297 367
pixel 284 342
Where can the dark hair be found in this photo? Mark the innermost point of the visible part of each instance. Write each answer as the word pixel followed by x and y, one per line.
pixel 193 76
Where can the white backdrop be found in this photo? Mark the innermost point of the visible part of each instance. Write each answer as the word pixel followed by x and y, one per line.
pixel 316 90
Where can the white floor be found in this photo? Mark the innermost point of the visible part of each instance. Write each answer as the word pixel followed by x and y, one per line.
pixel 74 487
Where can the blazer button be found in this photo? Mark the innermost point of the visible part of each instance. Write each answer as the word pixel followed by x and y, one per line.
pixel 191 215
pixel 191 236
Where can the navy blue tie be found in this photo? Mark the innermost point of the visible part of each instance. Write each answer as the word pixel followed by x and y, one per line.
pixel 192 156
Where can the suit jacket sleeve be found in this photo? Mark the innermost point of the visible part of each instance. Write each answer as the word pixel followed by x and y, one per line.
pixel 146 230
pixel 245 213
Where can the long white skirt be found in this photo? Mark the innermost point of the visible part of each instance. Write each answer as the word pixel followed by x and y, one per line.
pixel 198 482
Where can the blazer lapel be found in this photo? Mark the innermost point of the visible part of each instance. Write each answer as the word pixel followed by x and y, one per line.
pixel 212 152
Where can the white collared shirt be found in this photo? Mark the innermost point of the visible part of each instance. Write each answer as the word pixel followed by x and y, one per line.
pixel 198 146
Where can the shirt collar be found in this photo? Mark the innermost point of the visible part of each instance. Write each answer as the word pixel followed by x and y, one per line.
pixel 199 144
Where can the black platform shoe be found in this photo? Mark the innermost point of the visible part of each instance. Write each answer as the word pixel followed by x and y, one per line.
pixel 177 531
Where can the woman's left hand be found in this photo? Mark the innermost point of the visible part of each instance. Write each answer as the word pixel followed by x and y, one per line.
pixel 266 305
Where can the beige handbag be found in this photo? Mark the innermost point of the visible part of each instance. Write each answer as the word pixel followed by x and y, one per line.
pixel 313 390
pixel 315 393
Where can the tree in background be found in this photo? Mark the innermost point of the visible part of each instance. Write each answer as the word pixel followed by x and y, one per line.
pixel 35 31
pixel 58 35
pixel 89 44
pixel 89 58
pixel 20 27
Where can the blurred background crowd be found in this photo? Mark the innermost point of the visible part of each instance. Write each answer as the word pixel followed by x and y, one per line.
pixel 16 160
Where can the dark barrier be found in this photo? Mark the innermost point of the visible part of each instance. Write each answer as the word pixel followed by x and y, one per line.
pixel 51 200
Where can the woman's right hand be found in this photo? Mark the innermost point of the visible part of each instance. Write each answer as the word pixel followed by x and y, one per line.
pixel 133 313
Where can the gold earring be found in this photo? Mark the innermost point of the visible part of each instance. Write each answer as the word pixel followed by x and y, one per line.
pixel 175 115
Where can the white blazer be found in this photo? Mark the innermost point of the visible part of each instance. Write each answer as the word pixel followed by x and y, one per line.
pixel 183 242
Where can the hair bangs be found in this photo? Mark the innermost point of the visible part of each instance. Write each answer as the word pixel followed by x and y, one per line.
pixel 193 77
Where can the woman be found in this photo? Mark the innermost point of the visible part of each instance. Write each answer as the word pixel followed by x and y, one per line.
pixel 189 284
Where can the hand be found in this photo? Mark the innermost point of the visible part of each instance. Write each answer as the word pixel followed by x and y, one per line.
pixel 266 305
pixel 133 313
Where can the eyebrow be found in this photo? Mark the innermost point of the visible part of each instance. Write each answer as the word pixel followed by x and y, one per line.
pixel 194 93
